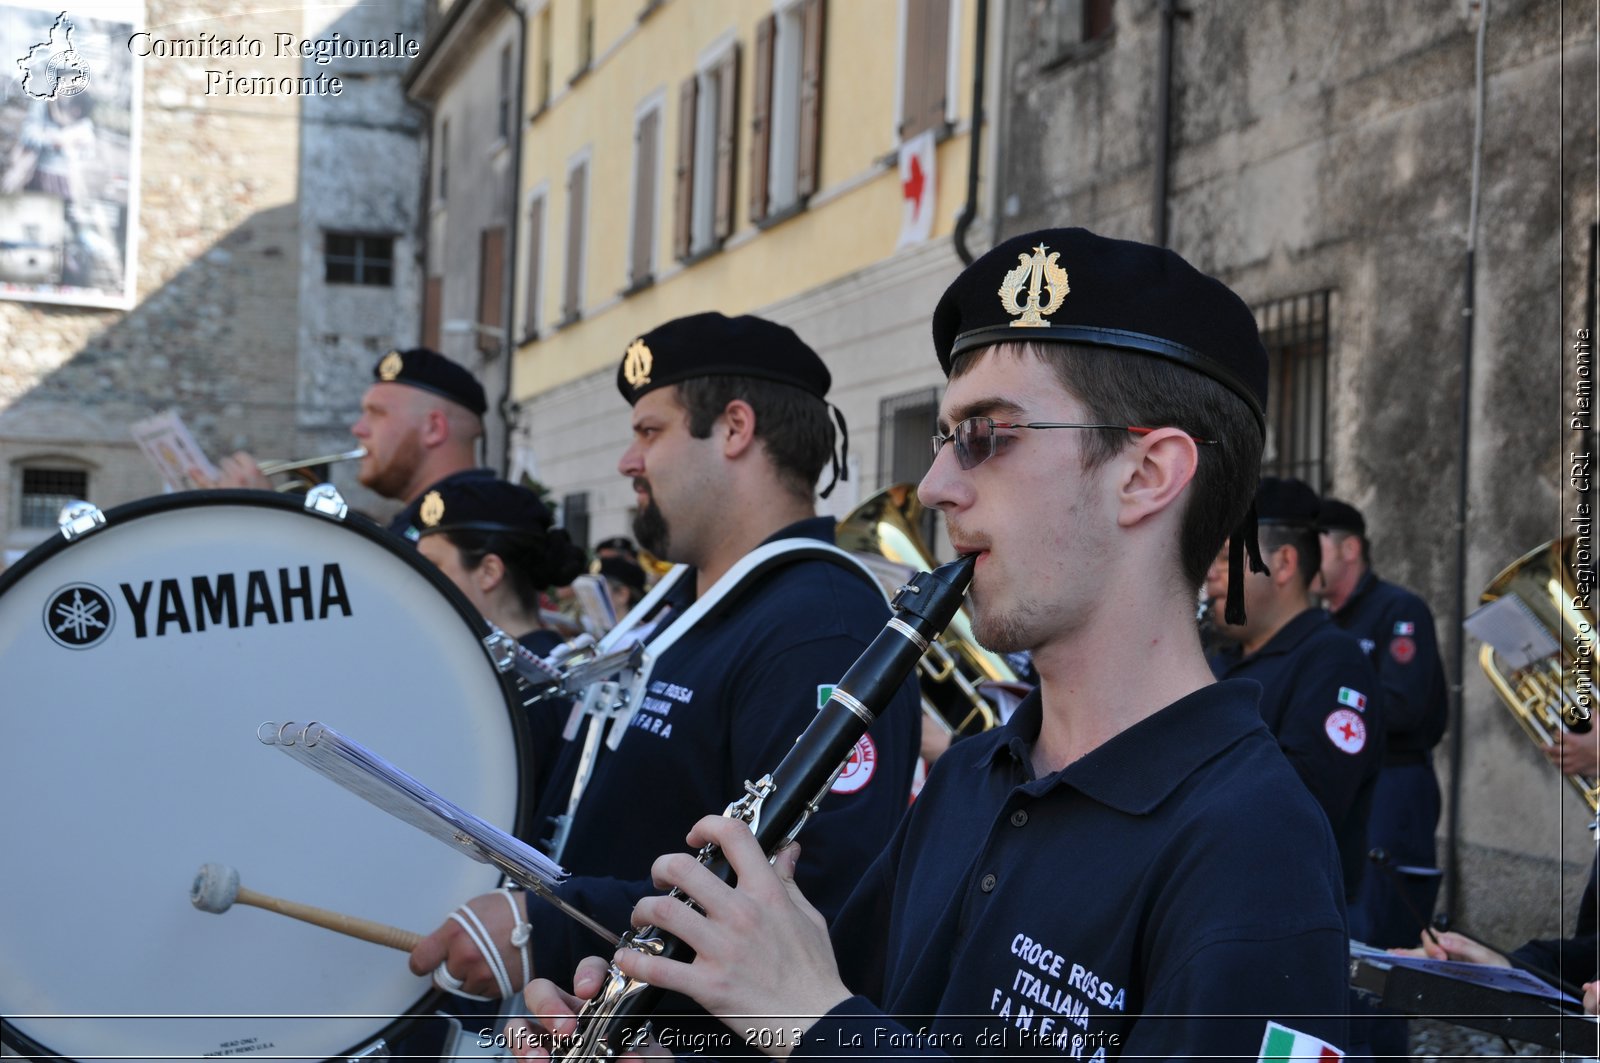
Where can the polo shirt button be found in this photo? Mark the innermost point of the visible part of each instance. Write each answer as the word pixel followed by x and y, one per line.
pixel 1019 817
pixel 987 885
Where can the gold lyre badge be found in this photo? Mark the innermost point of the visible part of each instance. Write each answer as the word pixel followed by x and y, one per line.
pixel 432 510
pixel 636 366
pixel 389 368
pixel 1032 271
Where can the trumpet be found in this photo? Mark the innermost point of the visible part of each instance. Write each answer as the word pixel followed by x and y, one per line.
pixel 304 478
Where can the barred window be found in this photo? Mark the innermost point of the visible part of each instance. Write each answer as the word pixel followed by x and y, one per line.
pixel 45 491
pixel 1295 333
pixel 357 258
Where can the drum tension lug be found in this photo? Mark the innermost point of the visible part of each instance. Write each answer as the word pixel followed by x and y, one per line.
pixel 325 500
pixel 78 518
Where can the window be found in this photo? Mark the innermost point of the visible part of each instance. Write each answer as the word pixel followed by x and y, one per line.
pixel 585 37
pixel 444 159
pixel 357 258
pixel 577 205
pixel 531 316
pixel 707 130
pixel 924 67
pixel 502 117
pixel 787 125
pixel 546 67
pixel 1065 25
pixel 1295 333
pixel 45 491
pixel 432 306
pixel 646 186
pixel 905 424
pixel 575 518
pixel 491 289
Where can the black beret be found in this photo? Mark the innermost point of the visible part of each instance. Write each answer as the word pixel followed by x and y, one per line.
pixel 1341 516
pixel 620 543
pixel 1069 285
pixel 623 571
pixel 714 345
pixel 431 371
pixel 1287 502
pixel 483 505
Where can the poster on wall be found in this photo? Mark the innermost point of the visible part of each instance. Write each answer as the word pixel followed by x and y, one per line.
pixel 69 125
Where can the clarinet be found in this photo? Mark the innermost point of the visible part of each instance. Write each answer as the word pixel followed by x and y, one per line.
pixel 777 805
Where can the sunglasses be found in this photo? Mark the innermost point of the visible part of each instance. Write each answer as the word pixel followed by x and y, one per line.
pixel 976 438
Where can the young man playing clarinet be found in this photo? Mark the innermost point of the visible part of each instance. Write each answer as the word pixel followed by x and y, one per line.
pixel 1129 866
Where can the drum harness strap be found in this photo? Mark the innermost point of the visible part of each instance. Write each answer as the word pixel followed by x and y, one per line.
pixel 618 701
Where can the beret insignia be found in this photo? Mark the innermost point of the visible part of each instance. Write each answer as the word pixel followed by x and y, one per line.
pixel 432 509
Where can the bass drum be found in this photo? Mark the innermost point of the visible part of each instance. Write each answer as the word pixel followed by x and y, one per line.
pixel 138 661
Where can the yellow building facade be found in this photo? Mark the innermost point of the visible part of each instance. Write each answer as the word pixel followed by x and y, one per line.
pixel 733 155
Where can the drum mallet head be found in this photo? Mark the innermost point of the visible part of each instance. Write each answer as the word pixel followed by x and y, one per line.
pixel 216 887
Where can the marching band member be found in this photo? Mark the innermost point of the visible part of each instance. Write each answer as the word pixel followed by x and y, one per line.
pixel 1129 865
pixel 498 544
pixel 1320 695
pixel 730 433
pixel 420 424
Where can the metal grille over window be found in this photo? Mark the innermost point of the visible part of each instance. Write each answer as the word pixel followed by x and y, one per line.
pixel 354 258
pixel 1295 333
pixel 45 491
pixel 905 424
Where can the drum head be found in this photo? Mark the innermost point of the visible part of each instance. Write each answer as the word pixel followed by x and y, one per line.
pixel 138 663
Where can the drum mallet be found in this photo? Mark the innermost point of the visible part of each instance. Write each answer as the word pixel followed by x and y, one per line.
pixel 216 889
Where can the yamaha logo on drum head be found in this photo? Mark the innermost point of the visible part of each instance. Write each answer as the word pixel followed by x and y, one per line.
pixel 79 616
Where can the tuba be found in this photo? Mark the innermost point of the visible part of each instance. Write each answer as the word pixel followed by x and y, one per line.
pixel 885 531
pixel 1555 693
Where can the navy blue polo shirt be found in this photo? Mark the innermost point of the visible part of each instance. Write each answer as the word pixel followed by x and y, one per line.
pixel 408 523
pixel 1320 697
pixel 1166 895
pixel 1395 629
pixel 725 705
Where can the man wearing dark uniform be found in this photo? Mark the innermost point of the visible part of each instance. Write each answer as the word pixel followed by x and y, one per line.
pixel 420 423
pixel 1128 866
pixel 1396 630
pixel 730 432
pixel 1319 693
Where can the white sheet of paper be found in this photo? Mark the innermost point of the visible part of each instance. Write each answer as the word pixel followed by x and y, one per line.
pixel 1508 626
pixel 171 448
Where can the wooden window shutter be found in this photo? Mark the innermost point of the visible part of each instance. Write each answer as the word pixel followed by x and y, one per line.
pixel 491 286
pixel 761 117
pixel 577 182
pixel 938 53
pixel 530 320
pixel 683 213
pixel 727 142
pixel 813 20
pixel 647 137
pixel 432 303
pixel 927 42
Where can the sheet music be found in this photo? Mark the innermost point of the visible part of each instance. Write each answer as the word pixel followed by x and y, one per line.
pixel 366 774
pixel 1505 979
pixel 1510 627
pixel 169 445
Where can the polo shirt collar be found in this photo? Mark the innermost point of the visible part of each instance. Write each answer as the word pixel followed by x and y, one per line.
pixel 1363 587
pixel 1292 634
pixel 1134 771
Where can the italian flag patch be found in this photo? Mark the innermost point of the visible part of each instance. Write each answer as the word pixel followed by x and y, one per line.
pixel 1405 627
pixel 1353 698
pixel 1282 1043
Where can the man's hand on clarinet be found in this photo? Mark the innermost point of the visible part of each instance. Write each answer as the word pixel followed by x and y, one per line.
pixel 238 469
pixel 763 961
pixel 482 950
pixel 555 1011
